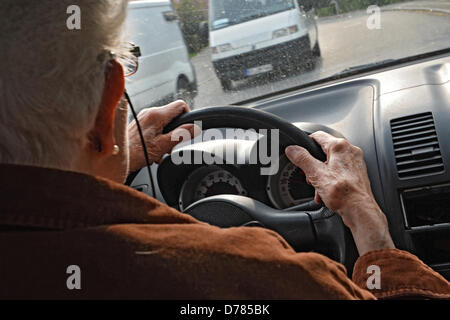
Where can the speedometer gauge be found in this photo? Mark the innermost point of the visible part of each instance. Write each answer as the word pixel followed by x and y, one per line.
pixel 288 187
pixel 218 182
pixel 209 181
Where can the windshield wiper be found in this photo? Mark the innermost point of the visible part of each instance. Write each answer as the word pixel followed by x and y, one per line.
pixel 363 67
pixel 250 17
pixel 264 13
pixel 235 21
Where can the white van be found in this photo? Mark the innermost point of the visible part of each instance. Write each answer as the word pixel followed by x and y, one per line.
pixel 252 37
pixel 165 72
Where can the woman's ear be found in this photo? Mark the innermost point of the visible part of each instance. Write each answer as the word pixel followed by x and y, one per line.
pixel 102 135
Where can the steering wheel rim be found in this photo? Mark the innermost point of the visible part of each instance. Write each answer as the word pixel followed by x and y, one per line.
pixel 249 118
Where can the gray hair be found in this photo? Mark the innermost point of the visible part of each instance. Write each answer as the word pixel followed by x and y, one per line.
pixel 51 78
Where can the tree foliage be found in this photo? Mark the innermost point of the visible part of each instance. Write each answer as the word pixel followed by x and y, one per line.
pixel 191 13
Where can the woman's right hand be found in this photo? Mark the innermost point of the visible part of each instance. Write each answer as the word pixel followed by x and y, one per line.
pixel 343 185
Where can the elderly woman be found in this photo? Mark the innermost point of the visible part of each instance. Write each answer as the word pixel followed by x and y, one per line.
pixel 69 228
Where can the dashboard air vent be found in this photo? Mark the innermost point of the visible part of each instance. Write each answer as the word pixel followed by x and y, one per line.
pixel 416 146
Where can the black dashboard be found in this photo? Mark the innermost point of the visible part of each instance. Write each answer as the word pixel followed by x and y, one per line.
pixel 399 116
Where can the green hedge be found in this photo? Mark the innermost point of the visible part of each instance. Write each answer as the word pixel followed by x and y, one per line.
pixel 352 5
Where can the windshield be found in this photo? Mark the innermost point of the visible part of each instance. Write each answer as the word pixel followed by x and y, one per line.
pixel 225 52
pixel 229 12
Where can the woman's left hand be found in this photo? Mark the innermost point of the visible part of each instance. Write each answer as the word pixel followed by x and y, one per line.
pixel 153 121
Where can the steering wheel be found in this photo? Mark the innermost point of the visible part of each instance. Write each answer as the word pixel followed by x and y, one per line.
pixel 305 227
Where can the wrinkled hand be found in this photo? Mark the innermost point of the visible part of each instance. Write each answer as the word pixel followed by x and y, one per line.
pixel 153 121
pixel 343 185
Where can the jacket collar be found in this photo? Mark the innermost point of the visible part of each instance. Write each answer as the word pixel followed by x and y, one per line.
pixel 54 199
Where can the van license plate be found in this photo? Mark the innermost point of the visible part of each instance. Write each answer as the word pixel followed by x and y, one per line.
pixel 258 70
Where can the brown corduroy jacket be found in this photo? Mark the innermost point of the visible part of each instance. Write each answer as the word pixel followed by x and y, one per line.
pixel 125 244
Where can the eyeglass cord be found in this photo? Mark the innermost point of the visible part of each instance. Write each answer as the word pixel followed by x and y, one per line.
pixel 144 147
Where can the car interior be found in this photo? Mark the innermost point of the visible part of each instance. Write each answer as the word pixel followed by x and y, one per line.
pixel 397 114
pixel 256 77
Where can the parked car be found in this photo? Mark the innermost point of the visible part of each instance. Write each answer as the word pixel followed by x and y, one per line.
pixel 274 29
pixel 165 72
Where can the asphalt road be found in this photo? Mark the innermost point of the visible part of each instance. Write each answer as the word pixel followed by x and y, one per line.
pixel 345 41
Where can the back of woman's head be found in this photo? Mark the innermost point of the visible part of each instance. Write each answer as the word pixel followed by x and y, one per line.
pixel 52 76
